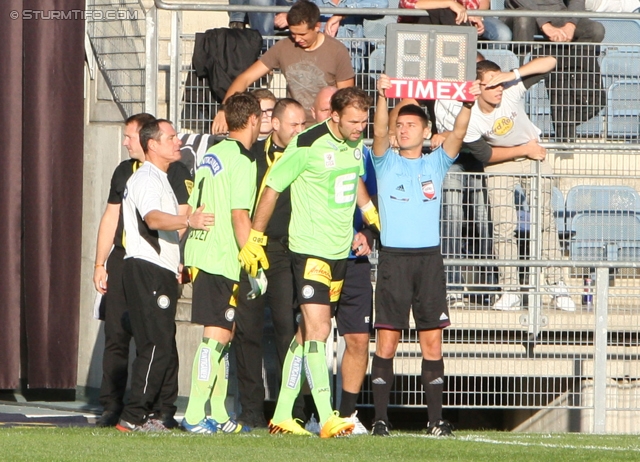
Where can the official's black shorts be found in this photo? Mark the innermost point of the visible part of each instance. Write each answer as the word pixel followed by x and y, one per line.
pixel 411 279
pixel 317 280
pixel 353 314
pixel 214 300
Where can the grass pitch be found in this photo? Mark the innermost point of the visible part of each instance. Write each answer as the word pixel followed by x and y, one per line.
pixel 58 444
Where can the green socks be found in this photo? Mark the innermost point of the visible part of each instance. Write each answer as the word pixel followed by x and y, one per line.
pixel 318 378
pixel 203 376
pixel 292 378
pixel 219 394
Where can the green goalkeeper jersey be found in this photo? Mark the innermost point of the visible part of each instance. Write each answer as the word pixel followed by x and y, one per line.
pixel 323 172
pixel 225 181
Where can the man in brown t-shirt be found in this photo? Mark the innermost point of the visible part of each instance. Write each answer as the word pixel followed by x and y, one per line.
pixel 310 61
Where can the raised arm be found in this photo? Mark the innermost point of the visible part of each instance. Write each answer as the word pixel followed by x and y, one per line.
pixel 240 84
pixel 534 67
pixel 453 142
pixel 381 119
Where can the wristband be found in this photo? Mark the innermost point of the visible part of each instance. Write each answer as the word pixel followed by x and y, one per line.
pixel 468 104
pixel 516 72
pixel 98 265
pixel 188 224
pixel 369 205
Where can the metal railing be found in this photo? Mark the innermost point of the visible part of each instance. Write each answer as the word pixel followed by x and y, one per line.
pixel 117 33
pixel 536 356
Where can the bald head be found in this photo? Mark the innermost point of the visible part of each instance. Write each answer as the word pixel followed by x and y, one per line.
pixel 321 109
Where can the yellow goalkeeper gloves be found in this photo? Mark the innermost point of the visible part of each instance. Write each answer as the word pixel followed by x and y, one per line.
pixel 252 255
pixel 370 214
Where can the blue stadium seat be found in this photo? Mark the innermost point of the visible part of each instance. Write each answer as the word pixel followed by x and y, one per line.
pixel 598 200
pixel 623 109
pixel 506 59
pixel 605 236
pixel 621 31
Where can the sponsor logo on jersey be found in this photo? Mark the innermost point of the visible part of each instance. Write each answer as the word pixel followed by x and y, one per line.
pixel 307 292
pixel 437 381
pixel 212 162
pixel 294 375
pixel 204 364
pixel 443 317
pixel 329 160
pixel 357 154
pixel 125 193
pixel 378 381
pixel 230 314
pixel 428 190
pixel 334 290
pixel 317 270
pixel 400 188
pixel 163 302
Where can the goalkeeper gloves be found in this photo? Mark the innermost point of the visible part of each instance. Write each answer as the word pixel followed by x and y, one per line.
pixel 252 254
pixel 258 285
pixel 370 214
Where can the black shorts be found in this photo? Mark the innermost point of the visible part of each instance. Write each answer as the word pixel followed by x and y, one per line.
pixel 353 314
pixel 411 279
pixel 317 280
pixel 214 300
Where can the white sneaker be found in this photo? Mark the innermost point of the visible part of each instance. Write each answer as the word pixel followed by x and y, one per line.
pixel 358 429
pixel 561 298
pixel 508 302
pixel 312 425
pixel 455 300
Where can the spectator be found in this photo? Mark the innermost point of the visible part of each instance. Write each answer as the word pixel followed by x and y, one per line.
pixel 501 135
pixel 263 22
pixel 267 103
pixel 575 85
pixel 349 27
pixel 310 60
pixel 288 120
pixel 452 12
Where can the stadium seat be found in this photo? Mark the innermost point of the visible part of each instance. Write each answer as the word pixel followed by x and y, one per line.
pixel 623 109
pixel 599 200
pixel 605 236
pixel 506 59
pixel 621 31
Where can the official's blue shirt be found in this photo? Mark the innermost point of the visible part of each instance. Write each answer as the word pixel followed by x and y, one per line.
pixel 369 179
pixel 409 195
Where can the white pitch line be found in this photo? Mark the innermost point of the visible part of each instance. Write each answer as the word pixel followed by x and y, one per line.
pixel 480 439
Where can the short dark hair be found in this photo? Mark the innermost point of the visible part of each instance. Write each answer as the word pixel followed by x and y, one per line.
pixel 263 93
pixel 304 12
pixel 485 66
pixel 151 131
pixel 414 110
pixel 282 106
pixel 140 119
pixel 350 96
pixel 239 108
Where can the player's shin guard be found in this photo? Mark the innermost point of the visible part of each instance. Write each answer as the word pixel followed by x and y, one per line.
pixel 219 393
pixel 315 364
pixel 433 384
pixel 203 376
pixel 382 381
pixel 292 379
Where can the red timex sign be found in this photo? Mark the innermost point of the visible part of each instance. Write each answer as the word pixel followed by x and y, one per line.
pixel 429 89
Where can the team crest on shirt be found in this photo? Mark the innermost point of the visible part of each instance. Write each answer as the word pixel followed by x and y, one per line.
pixel 307 292
pixel 163 302
pixel 357 154
pixel 230 314
pixel 428 191
pixel 329 160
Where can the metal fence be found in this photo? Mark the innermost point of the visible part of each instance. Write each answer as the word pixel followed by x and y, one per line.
pixel 587 209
